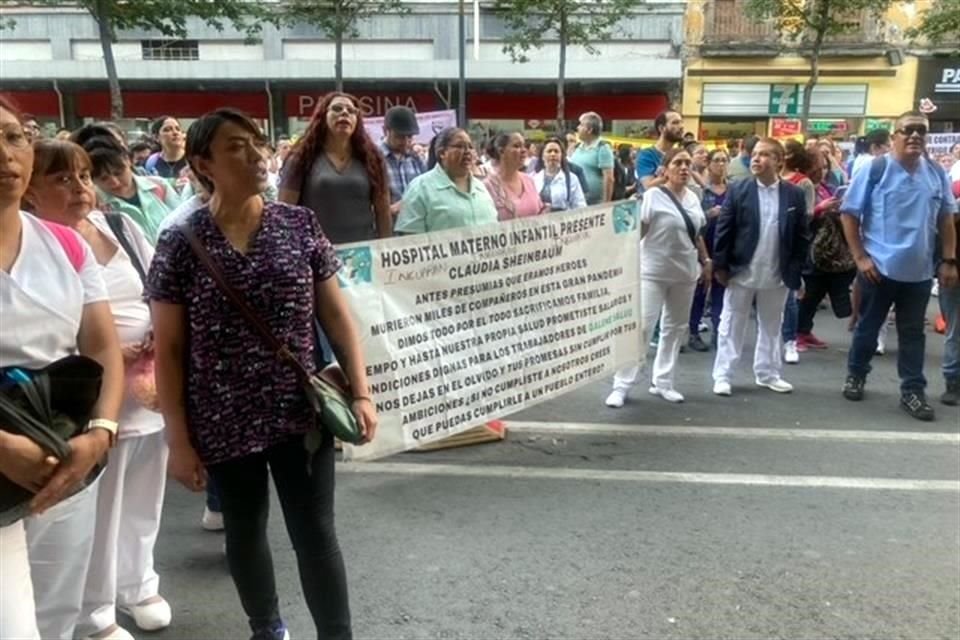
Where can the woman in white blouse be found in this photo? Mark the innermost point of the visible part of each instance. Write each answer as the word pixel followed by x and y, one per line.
pixel 672 257
pixel 131 490
pixel 53 304
pixel 557 185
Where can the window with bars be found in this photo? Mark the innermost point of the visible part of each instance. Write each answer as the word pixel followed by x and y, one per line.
pixel 170 49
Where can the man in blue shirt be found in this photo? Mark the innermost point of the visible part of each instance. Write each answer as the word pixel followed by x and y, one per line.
pixel 891 221
pixel 403 165
pixel 669 129
pixel 595 157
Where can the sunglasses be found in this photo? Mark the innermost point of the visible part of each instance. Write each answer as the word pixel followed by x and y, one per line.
pixel 910 129
pixel 340 108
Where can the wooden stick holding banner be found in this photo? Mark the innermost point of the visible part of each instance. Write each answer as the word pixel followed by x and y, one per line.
pixel 465 326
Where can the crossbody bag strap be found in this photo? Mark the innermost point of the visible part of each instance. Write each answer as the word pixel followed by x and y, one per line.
pixel 115 222
pixel 280 349
pixel 691 230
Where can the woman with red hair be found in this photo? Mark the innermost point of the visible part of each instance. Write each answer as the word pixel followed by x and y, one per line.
pixel 336 171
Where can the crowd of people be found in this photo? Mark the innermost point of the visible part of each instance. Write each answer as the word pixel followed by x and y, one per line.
pixel 106 249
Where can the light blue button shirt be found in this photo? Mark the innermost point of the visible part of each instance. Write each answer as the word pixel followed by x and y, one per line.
pixel 900 230
pixel 434 203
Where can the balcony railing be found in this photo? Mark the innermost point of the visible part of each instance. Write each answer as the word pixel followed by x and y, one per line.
pixel 727 22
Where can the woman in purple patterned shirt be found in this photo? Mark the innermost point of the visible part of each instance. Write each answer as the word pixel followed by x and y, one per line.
pixel 230 405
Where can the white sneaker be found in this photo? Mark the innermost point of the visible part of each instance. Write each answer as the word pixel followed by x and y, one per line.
pixel 722 389
pixel 149 617
pixel 778 385
pixel 211 520
pixel 881 346
pixel 790 353
pixel 118 633
pixel 669 395
pixel 616 399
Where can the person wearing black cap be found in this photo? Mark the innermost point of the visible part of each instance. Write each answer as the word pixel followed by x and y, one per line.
pixel 403 165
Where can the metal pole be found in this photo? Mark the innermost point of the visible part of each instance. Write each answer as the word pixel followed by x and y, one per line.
pixel 462 83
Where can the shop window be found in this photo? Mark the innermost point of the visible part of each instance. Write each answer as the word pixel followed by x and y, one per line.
pixel 170 49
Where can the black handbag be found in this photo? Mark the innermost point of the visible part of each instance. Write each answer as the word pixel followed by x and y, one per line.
pixel 49 406
pixel 326 392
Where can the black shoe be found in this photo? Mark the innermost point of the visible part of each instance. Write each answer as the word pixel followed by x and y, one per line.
pixel 697 344
pixel 951 396
pixel 916 405
pixel 853 388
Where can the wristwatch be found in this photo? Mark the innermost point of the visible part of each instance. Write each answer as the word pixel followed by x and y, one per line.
pixel 110 426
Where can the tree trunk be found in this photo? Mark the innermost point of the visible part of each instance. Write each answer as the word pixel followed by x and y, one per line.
pixel 338 61
pixel 822 21
pixel 561 76
pixel 102 17
pixel 338 47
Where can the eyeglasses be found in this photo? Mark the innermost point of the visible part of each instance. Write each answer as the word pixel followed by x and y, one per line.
pixel 722 160
pixel 15 136
pixel 910 129
pixel 461 146
pixel 340 108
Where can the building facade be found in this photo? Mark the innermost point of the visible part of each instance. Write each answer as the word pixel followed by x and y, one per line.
pixel 743 78
pixel 51 62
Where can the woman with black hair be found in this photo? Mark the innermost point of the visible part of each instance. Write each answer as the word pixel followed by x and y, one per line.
pixel 147 200
pixel 232 408
pixel 558 187
pixel 171 160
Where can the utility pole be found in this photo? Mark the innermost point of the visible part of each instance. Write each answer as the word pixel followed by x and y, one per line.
pixel 462 81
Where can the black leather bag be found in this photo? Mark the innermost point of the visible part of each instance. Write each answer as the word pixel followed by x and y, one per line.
pixel 49 406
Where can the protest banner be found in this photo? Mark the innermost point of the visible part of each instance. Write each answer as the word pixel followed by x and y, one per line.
pixel 465 326
pixel 430 122
pixel 939 143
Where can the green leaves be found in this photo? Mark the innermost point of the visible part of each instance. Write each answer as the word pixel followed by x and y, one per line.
pixel 940 24
pixel 530 23
pixel 810 20
pixel 337 18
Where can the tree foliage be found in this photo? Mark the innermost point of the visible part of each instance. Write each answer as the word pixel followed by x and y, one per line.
pixel 532 23
pixel 940 24
pixel 337 19
pixel 808 24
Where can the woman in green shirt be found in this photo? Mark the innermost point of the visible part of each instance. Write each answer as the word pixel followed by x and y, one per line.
pixel 447 196
pixel 147 200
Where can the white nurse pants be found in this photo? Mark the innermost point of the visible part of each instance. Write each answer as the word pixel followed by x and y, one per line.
pixel 674 299
pixel 60 542
pixel 18 616
pixel 767 358
pixel 128 520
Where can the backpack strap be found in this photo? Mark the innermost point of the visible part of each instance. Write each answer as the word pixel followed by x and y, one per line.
pixel 877 168
pixel 70 242
pixel 115 222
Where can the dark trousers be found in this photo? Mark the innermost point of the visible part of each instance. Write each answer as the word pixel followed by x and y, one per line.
pixel 911 299
pixel 306 498
pixel 700 301
pixel 819 284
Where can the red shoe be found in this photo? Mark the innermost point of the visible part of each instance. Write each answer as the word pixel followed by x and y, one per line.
pixel 810 341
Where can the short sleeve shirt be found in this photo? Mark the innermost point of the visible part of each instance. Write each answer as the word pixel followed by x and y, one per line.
pixel 594 159
pixel 434 203
pixel 42 298
pixel 667 254
pixel 240 398
pixel 648 161
pixel 340 200
pixel 900 226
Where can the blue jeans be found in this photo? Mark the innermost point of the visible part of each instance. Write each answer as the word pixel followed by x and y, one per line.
pixel 911 299
pixel 950 306
pixel 700 301
pixel 791 317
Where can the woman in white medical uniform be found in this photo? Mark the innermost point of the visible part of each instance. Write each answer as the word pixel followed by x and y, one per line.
pixel 130 496
pixel 53 303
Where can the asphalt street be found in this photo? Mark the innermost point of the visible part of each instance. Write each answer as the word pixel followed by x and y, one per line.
pixel 756 516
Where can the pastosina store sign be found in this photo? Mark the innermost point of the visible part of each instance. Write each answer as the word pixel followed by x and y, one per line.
pixel 938 79
pixel 464 326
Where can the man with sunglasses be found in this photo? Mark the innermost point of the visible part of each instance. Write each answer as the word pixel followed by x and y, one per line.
pixel 891 224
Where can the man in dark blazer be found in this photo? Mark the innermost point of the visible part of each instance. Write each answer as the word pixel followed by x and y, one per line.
pixel 760 247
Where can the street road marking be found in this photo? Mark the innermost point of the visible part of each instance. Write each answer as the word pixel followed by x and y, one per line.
pixel 606 429
pixel 672 477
